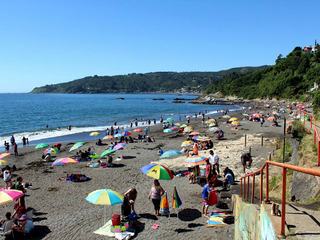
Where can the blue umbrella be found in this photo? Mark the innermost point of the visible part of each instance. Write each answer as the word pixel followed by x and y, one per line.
pixel 170 153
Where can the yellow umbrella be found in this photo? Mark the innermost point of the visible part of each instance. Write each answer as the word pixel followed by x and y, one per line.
pixel 235 123
pixel 94 133
pixel 233 119
pixel 186 143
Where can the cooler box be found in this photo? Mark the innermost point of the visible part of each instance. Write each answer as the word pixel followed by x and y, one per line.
pixel 115 220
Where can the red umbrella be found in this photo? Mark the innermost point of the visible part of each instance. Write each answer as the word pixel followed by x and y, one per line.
pixel 137 130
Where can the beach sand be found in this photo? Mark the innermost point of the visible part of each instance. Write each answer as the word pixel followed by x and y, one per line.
pixel 63 212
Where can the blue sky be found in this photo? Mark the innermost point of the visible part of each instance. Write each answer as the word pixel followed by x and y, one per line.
pixel 46 42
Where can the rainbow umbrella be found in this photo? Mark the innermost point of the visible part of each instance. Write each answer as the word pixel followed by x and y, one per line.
pixel 137 130
pixel 157 171
pixel 108 137
pixel 105 197
pixel 186 143
pixel 4 163
pixel 50 151
pixel 3 155
pixel 76 146
pixel 176 201
pixel 107 152
pixel 164 207
pixel 196 137
pixel 7 196
pixel 170 153
pixel 194 160
pixel 203 139
pixel 41 145
pixel 194 133
pixel 119 146
pixel 63 161
pixel 174 128
pixel 188 116
pixel 126 133
pixel 94 133
pixel 213 124
pixel 168 130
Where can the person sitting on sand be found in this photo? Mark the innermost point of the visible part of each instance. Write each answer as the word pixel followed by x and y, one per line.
pixel 155 194
pixel 99 143
pixel 23 228
pixel 227 179
pixel 205 197
pixel 275 123
pixel 47 158
pixel 8 218
pixel 109 161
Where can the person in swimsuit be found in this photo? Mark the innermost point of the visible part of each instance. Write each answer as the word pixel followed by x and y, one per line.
pixel 156 194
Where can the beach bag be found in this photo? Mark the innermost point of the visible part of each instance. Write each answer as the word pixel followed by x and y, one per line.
pixel 228 220
pixel 133 216
pixel 222 205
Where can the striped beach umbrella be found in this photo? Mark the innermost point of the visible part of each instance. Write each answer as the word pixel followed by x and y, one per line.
pixel 119 146
pixel 7 196
pixel 63 161
pixel 4 155
pixel 157 171
pixel 50 151
pixel 194 160
pixel 176 201
pixel 4 163
pixel 76 146
pixel 108 137
pixel 186 143
pixel 126 133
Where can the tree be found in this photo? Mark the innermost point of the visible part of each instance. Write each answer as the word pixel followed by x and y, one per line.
pixel 279 58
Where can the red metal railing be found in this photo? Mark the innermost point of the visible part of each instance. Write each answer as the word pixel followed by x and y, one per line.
pixel 244 190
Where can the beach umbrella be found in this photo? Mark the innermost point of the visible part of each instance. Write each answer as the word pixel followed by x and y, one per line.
pixel 235 123
pixel 188 116
pixel 170 120
pixel 196 137
pixel 203 139
pixel 105 197
pixel 7 196
pixel 126 133
pixel 226 116
pixel 118 135
pixel 94 133
pixel 177 124
pixel 157 171
pixel 4 155
pixel 164 207
pixel 233 119
pixel 176 201
pixel 107 152
pixel 194 160
pixel 186 143
pixel 271 118
pixel 108 137
pixel 170 153
pixel 213 124
pixel 174 128
pixel 168 130
pixel 119 146
pixel 63 161
pixel 50 151
pixel 213 129
pixel 41 145
pixel 137 130
pixel 4 163
pixel 76 146
pixel 194 133
pixel 183 126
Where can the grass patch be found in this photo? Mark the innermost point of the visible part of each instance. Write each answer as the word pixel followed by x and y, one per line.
pixel 298 131
pixel 279 153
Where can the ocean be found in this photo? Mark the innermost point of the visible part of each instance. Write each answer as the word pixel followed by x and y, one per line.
pixel 29 114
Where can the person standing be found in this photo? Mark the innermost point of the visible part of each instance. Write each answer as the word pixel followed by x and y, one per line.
pixel 155 194
pixel 24 140
pixel 12 140
pixel 214 160
pixel 7 177
pixel 15 149
pixel 261 121
pixel 205 197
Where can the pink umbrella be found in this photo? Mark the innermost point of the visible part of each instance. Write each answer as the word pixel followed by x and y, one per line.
pixel 137 130
pixel 3 155
pixel 119 146
pixel 9 195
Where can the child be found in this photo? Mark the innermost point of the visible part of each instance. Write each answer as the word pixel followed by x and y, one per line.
pixel 205 197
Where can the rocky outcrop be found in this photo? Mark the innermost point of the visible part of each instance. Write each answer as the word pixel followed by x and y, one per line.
pixel 217 99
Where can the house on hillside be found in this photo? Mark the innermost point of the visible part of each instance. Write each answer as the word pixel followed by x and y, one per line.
pixel 311 49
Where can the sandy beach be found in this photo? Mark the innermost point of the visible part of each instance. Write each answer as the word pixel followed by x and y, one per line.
pixel 63 212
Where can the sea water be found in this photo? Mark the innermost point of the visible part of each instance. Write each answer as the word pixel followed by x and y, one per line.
pixel 29 114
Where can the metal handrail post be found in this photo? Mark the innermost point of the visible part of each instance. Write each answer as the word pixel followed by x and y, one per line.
pixel 267 183
pixel 252 191
pixel 283 203
pixel 261 186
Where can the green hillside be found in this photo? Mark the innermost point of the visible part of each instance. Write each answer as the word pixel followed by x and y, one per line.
pixel 184 82
pixel 291 77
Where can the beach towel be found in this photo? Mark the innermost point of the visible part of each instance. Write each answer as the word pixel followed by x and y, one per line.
pixel 216 219
pixel 164 208
pixel 105 230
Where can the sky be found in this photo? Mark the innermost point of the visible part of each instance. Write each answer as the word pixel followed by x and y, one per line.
pixel 48 42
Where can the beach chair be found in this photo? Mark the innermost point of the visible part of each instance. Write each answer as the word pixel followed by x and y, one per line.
pixel 30 214
pixel 7 227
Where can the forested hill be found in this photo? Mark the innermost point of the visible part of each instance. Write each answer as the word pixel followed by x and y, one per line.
pixel 184 82
pixel 291 77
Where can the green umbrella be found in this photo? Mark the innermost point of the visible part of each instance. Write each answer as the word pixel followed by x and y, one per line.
pixel 76 146
pixel 41 145
pixel 107 152
pixel 170 120
pixel 94 155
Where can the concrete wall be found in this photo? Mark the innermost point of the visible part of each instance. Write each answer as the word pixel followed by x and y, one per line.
pixel 251 223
